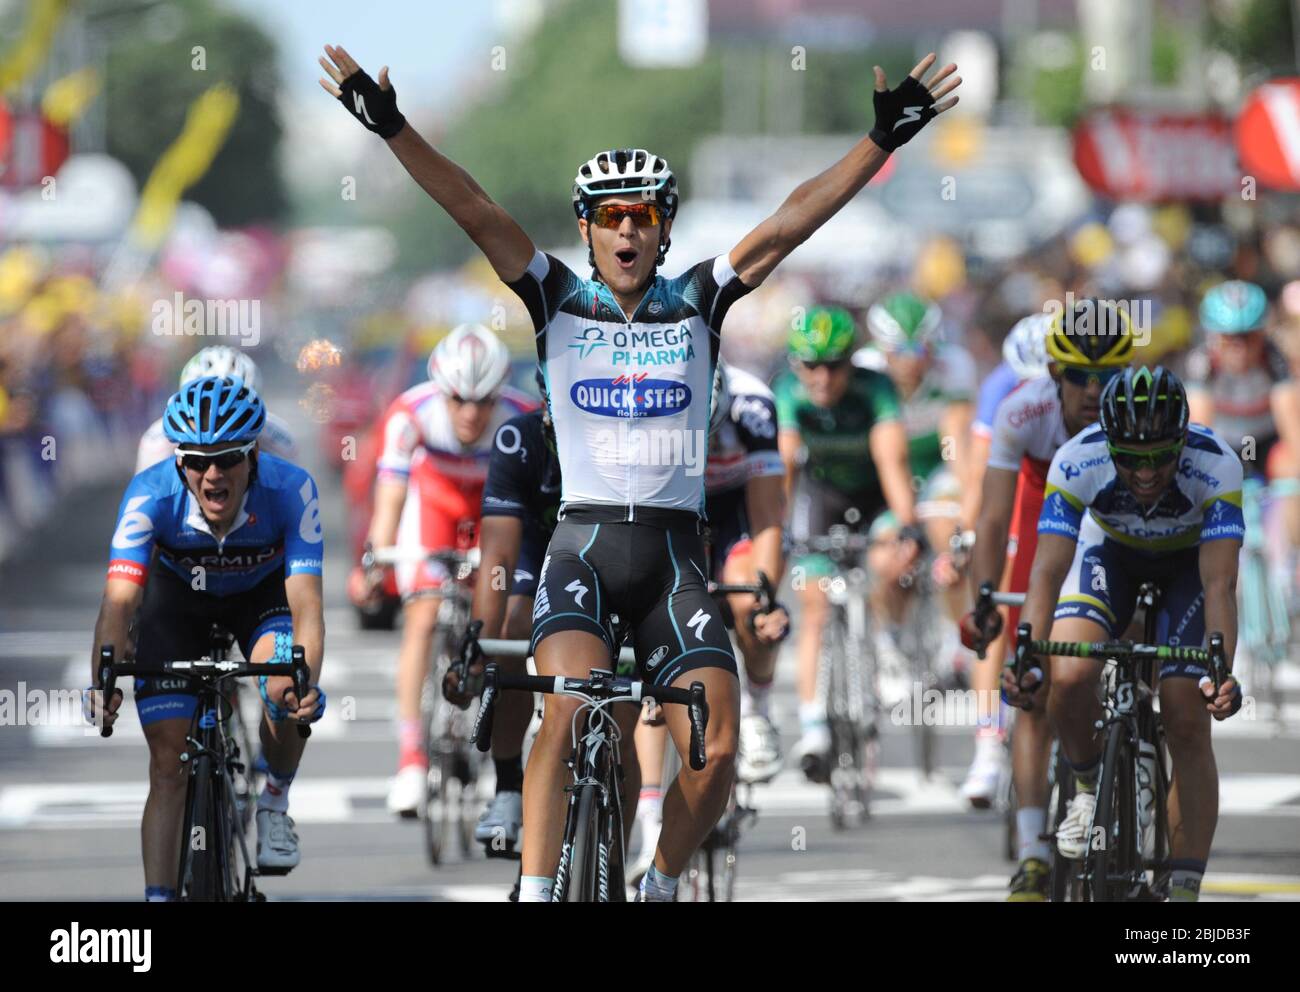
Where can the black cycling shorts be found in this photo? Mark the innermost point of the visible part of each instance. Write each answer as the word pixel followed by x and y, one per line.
pixel 728 526
pixel 650 576
pixel 175 622
pixel 818 507
pixel 532 547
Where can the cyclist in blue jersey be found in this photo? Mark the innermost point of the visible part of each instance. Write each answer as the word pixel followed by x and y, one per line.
pixel 1144 496
pixel 629 359
pixel 217 534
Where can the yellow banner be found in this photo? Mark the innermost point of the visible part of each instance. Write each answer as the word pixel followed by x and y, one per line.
pixel 33 44
pixel 184 163
pixel 67 98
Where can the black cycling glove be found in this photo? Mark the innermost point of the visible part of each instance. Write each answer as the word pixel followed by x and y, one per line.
pixel 375 108
pixel 900 113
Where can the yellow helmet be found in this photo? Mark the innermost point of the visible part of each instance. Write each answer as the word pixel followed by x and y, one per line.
pixel 1095 334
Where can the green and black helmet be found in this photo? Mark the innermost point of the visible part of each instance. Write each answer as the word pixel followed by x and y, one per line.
pixel 1144 404
pixel 827 334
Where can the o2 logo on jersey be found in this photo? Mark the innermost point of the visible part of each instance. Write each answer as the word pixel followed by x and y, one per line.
pixel 309 525
pixel 630 397
pixel 135 528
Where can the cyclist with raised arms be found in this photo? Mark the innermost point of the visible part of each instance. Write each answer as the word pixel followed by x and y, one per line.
pixel 219 360
pixel 1142 497
pixel 629 358
pixel 220 534
pixel 1087 348
pixel 437 442
pixel 1024 357
pixel 846 456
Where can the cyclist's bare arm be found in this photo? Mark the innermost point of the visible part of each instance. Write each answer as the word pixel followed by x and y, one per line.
pixel 954 429
pixel 765 501
pixel 390 495
pixel 888 444
pixel 498 541
pixel 997 498
pixel 503 242
pixel 1284 400
pixel 789 443
pixel 1218 566
pixel 1052 560
pixel 121 600
pixel 977 461
pixel 817 200
pixel 303 592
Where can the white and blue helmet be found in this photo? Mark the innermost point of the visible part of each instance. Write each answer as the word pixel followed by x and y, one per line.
pixel 214 409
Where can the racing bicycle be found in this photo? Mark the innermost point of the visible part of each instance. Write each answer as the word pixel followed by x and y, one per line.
pixel 215 864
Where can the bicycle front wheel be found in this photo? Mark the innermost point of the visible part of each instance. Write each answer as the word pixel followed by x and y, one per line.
pixel 200 868
pixel 1114 848
pixel 584 849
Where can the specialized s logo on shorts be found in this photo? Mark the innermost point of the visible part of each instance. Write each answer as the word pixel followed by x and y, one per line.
pixel 701 618
pixel 578 589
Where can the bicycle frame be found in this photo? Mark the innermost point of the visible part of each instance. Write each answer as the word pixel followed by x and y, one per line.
pixel 213 758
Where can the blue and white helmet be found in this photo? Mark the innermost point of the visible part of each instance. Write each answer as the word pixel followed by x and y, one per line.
pixel 1025 346
pixel 211 410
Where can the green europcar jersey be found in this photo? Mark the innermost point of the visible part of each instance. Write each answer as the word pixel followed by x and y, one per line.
pixel 952 378
pixel 836 439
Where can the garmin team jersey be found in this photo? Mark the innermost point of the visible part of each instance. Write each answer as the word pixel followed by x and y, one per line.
pixel 1202 503
pixel 837 440
pixel 744 447
pixel 950 379
pixel 277 529
pixel 630 398
pixel 275 439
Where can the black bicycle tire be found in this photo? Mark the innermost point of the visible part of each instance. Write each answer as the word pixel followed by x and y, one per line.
pixel 1116 798
pixel 203 871
pixel 582 878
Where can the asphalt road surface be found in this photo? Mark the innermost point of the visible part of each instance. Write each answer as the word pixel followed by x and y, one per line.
pixel 70 802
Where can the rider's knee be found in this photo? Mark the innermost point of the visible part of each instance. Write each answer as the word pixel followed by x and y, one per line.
pixel 1186 728
pixel 165 768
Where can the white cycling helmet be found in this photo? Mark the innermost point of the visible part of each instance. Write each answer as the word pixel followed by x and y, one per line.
pixel 721 399
pixel 470 362
pixel 625 171
pixel 1025 346
pixel 222 360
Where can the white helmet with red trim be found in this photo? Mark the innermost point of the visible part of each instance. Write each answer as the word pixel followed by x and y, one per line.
pixel 470 363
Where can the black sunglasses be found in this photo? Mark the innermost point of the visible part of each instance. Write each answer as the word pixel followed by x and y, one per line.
pixel 224 460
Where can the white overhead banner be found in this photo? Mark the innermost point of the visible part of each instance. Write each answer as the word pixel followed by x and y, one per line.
pixel 656 34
